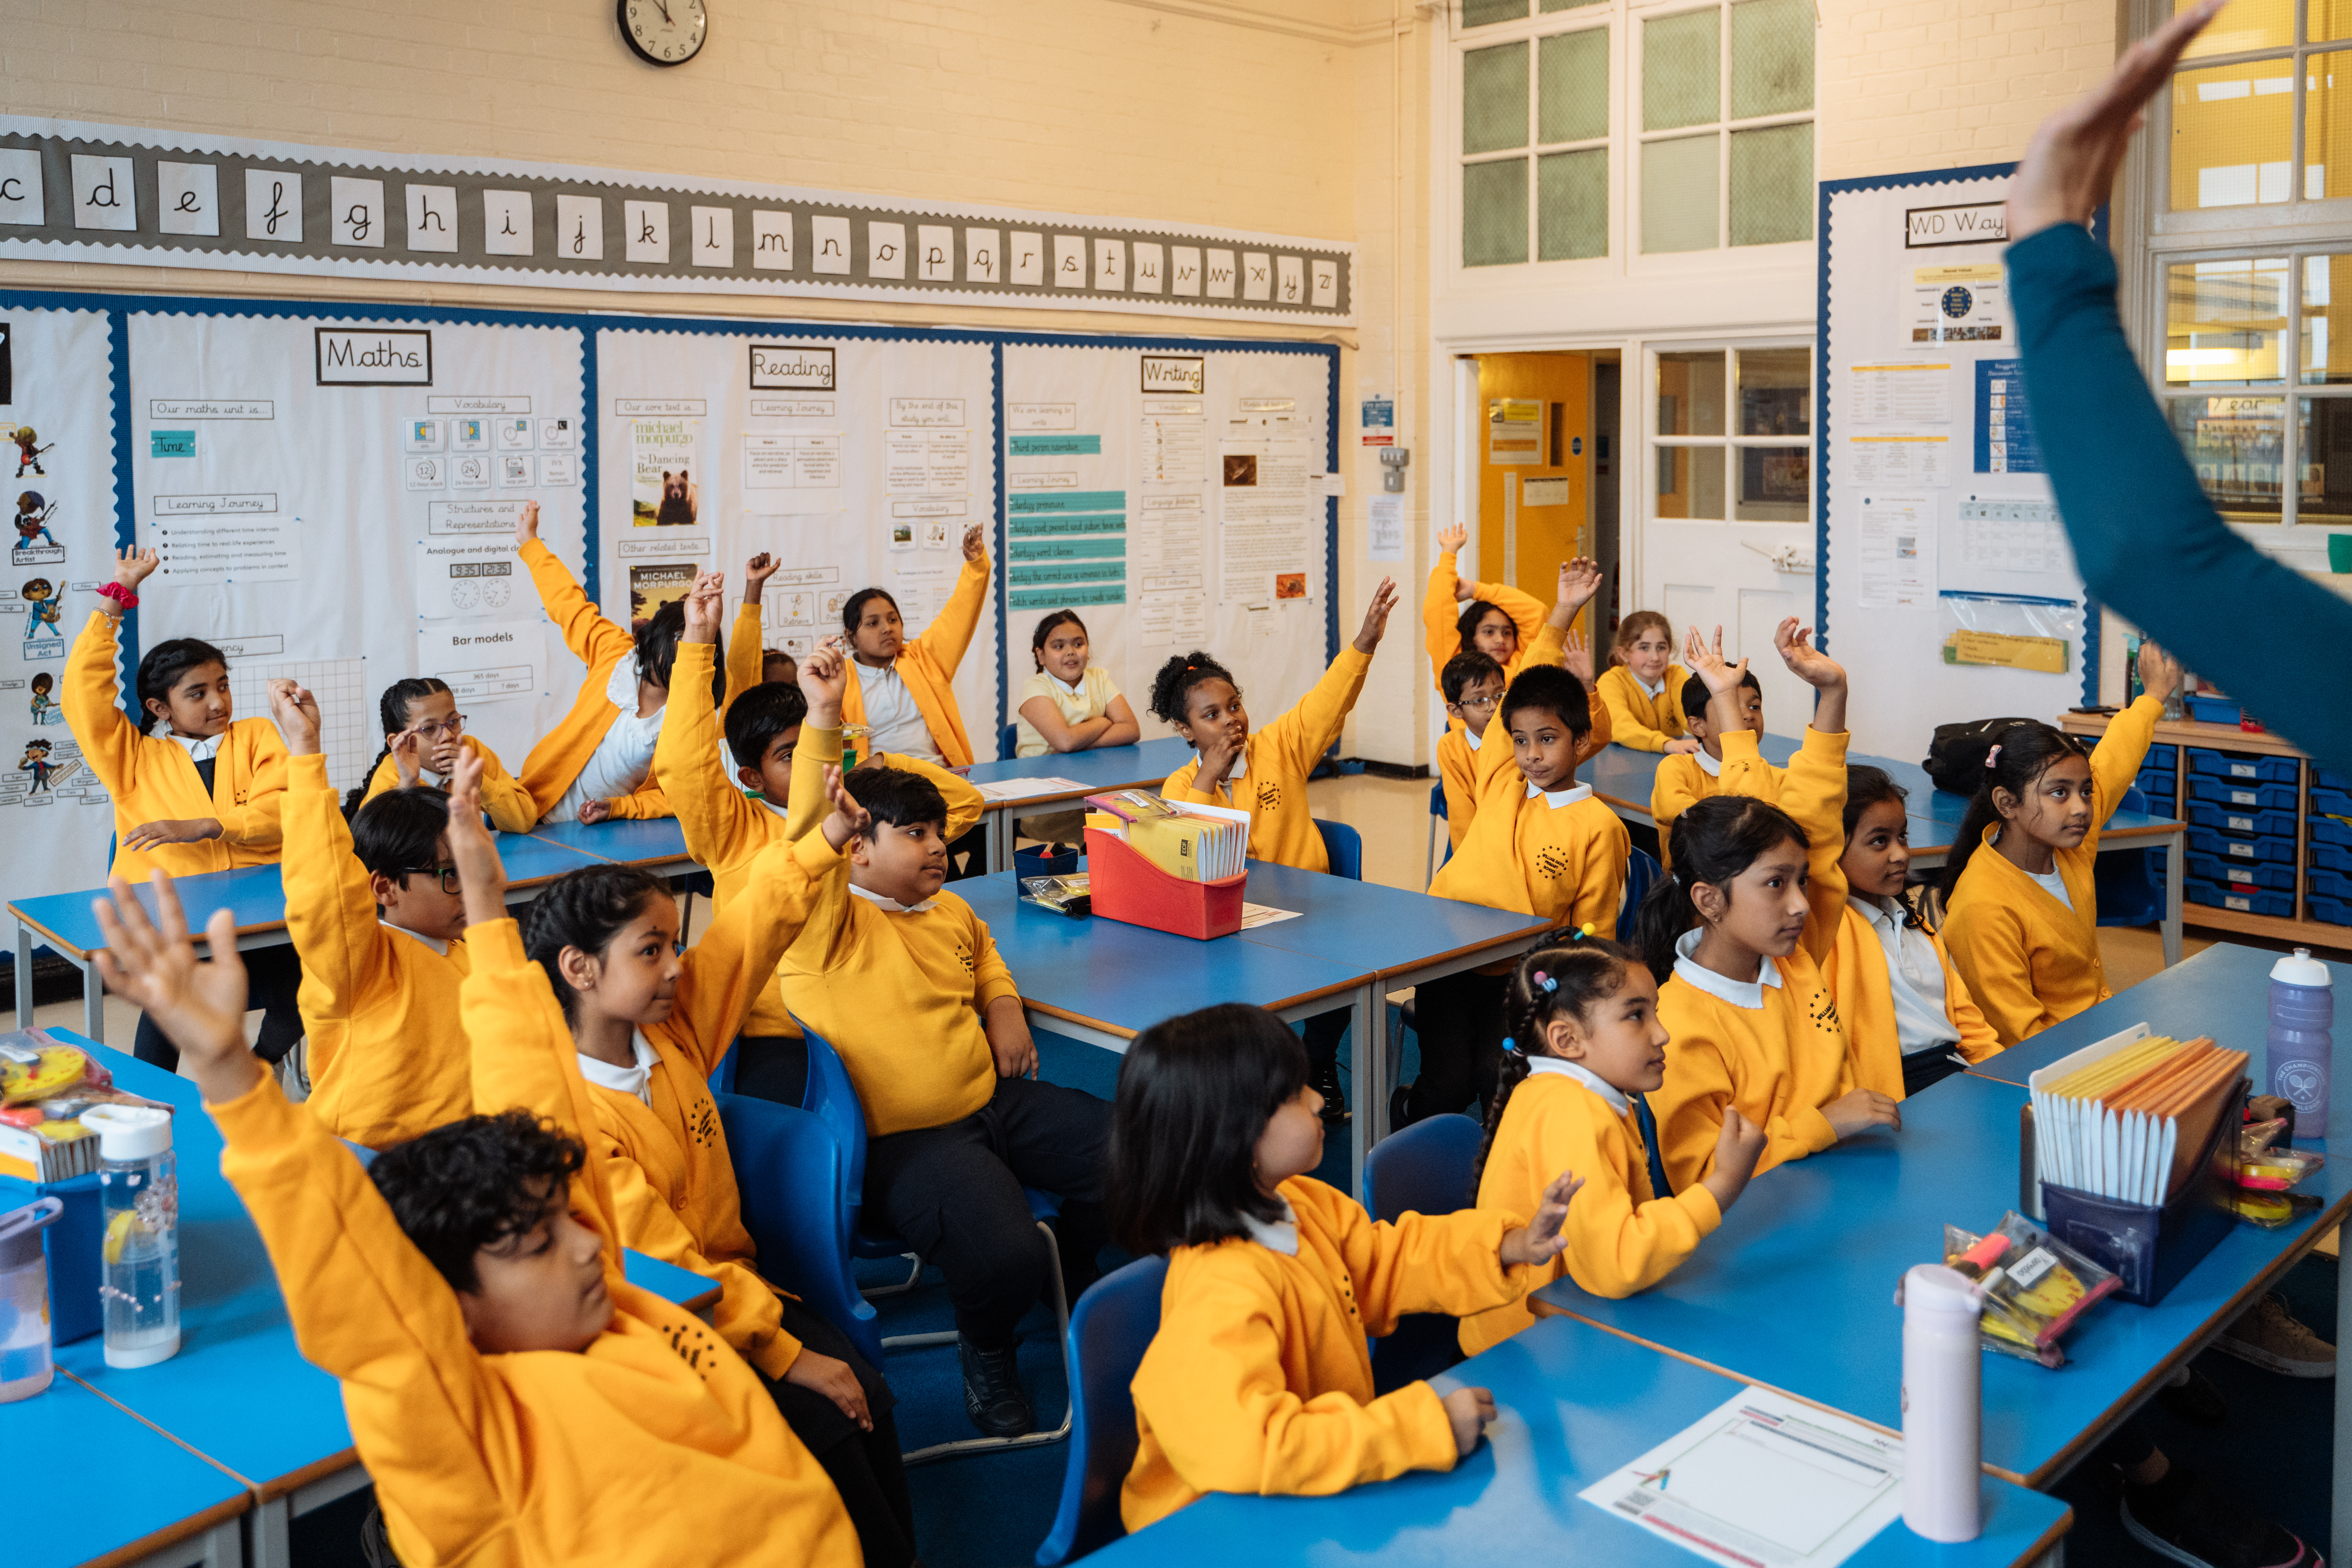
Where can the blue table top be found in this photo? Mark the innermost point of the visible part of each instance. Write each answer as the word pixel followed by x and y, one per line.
pixel 1573 1404
pixel 1148 763
pixel 154 1491
pixel 238 1357
pixel 627 841
pixel 1796 1290
pixel 1379 930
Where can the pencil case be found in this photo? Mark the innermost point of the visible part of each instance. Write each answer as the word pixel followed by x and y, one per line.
pixel 2150 1247
pixel 1126 886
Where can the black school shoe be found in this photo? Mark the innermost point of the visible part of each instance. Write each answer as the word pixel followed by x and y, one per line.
pixel 2181 1518
pixel 1325 1078
pixel 991 1390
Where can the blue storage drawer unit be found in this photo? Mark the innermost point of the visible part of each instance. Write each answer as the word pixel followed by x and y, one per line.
pixel 2245 901
pixel 2237 822
pixel 2326 800
pixel 2242 765
pixel 2242 794
pixel 2272 875
pixel 2161 755
pixel 2250 851
pixel 2327 830
pixel 2335 856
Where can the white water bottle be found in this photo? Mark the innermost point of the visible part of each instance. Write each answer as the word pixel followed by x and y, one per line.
pixel 1943 1403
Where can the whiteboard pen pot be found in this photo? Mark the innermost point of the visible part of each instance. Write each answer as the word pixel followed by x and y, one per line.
pixel 1943 1403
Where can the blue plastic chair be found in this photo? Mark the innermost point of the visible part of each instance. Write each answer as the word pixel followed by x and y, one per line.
pixel 832 1098
pixel 1344 847
pixel 2129 892
pixel 1423 1169
pixel 1430 862
pixel 1642 873
pixel 1008 742
pixel 787 1165
pixel 1110 1329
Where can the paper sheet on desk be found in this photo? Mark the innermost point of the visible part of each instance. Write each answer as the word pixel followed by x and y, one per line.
pixel 1028 789
pixel 1763 1482
pixel 1254 915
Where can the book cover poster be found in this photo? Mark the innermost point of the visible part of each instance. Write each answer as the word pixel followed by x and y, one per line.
pixel 665 476
pixel 651 587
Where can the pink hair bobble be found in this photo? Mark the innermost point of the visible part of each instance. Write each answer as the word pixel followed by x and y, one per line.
pixel 1994 755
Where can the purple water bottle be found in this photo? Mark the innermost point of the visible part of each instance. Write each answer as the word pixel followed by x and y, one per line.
pixel 2303 1009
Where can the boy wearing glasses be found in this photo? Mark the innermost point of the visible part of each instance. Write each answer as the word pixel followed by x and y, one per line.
pixel 378 922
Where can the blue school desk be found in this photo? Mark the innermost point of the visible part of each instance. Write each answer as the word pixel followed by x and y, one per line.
pixel 239 1392
pixel 1144 765
pixel 654 844
pixel 1623 779
pixel 1571 1404
pixel 1813 1250
pixel 98 1484
pixel 255 894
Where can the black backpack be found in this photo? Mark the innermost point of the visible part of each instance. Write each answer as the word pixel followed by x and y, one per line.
pixel 1956 757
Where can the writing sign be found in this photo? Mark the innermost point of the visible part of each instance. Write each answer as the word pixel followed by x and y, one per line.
pixel 791 367
pixel 1175 373
pixel 378 356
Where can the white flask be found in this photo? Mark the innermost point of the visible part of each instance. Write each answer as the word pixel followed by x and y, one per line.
pixel 1943 1403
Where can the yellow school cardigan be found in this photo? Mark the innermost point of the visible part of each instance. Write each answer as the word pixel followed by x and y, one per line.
pixel 1276 763
pixel 539 1458
pixel 1564 863
pixel 1644 722
pixel 509 805
pixel 1681 784
pixel 927 666
pixel 1441 621
pixel 1457 762
pixel 150 778
pixel 2030 961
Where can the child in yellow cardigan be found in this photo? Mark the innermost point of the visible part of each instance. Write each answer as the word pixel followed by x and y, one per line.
pixel 1493 618
pixel 422 733
pixel 1258 1381
pixel 1642 687
pixel 903 690
pixel 1683 776
pixel 1737 937
pixel 1585 1040
pixel 513 1397
pixel 649 1024
pixel 1908 1014
pixel 377 921
pixel 194 787
pixel 1264 773
pixel 2022 922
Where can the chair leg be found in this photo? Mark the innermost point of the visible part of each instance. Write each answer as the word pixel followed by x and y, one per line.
pixel 1429 859
pixel 914 1272
pixel 962 1446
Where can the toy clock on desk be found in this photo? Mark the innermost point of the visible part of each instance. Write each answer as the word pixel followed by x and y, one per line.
pixel 663 32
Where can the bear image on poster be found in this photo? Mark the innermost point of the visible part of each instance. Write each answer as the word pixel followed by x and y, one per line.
pixel 681 501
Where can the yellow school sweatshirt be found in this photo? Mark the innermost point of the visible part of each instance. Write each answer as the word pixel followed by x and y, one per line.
pixel 667 1163
pixel 510 806
pixel 1558 853
pixel 599 643
pixel 1441 620
pixel 1644 722
pixel 900 994
pixel 1272 782
pixel 1622 1237
pixel 1773 1046
pixel 1457 764
pixel 927 666
pixel 1258 1381
pixel 538 1458
pixel 1865 1000
pixel 379 1004
pixel 150 778
pixel 2030 961
pixel 1683 780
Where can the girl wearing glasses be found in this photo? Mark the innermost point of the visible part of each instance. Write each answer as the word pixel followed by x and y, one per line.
pixel 424 735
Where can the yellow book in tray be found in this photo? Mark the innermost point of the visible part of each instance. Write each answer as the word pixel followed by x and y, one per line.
pixel 1175 844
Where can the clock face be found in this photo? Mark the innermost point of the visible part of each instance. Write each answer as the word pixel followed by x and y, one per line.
pixel 663 32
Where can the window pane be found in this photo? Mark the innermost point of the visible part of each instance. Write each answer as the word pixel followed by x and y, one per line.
pixel 1495 99
pixel 2248 25
pixel 1681 70
pixel 2327 20
pixel 1678 199
pixel 1573 204
pixel 1772 184
pixel 2232 135
pixel 2327 126
pixel 2326 433
pixel 1775 483
pixel 1775 389
pixel 1549 7
pixel 1572 71
pixel 2328 320
pixel 1690 393
pixel 2223 319
pixel 1494 212
pixel 1771 58
pixel 1690 481
pixel 1485 12
pixel 2235 444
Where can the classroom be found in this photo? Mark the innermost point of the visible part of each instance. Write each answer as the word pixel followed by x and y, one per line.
pixel 983 783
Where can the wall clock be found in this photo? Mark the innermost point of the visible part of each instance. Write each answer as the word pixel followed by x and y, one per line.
pixel 663 32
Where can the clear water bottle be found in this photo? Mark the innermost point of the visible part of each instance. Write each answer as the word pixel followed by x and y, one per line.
pixel 139 1200
pixel 25 1366
pixel 2302 1012
pixel 1942 1403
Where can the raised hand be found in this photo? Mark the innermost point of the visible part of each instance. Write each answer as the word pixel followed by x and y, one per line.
pixel 1376 616
pixel 2159 672
pixel 200 1007
pixel 132 567
pixel 1540 1241
pixel 848 819
pixel 1806 662
pixel 1707 662
pixel 1579 579
pixel 1450 540
pixel 297 712
pixel 756 573
pixel 705 604
pixel 1576 657
pixel 526 523
pixel 973 550
pixel 481 875
pixel 824 679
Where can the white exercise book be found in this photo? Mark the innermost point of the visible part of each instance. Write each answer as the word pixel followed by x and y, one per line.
pixel 1028 789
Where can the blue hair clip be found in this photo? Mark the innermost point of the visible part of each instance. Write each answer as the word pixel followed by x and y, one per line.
pixel 1510 1046
pixel 1546 981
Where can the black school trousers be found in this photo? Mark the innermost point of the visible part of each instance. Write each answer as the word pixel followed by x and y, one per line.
pixel 1460 1019
pixel 952 1194
pixel 272 976
pixel 865 1467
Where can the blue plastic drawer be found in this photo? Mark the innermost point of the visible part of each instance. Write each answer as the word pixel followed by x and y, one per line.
pixel 2327 830
pixel 2334 912
pixel 2326 800
pixel 2246 901
pixel 2214 709
pixel 2162 757
pixel 2242 794
pixel 2242 765
pixel 2240 823
pixel 2245 851
pixel 2273 875
pixel 2326 780
pixel 2330 884
pixel 2335 856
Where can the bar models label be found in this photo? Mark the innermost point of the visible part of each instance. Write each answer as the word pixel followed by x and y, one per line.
pixel 1175 373
pixel 379 357
pixel 791 367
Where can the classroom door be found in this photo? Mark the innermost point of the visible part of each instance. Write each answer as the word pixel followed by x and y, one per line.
pixel 1534 506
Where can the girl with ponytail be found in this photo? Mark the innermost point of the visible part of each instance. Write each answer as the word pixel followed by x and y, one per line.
pixel 1737 935
pixel 2022 904
pixel 1585 1044
pixel 424 735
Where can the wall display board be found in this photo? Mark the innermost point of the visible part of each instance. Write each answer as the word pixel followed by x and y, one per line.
pixel 1173 496
pixel 334 500
pixel 1942 549
pixel 57 412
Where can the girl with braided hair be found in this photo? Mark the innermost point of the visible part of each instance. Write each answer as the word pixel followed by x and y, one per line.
pixel 424 734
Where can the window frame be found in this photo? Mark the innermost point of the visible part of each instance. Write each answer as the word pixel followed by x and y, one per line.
pixel 1653 439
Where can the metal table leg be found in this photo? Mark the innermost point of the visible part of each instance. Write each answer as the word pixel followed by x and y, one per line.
pixel 24 975
pixel 1368 1047
pixel 93 1001
pixel 2176 867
